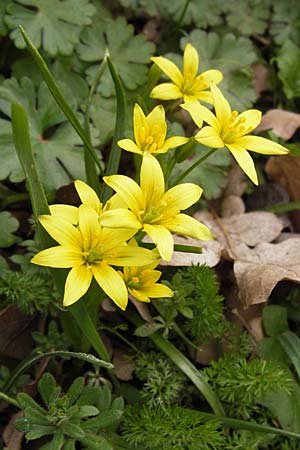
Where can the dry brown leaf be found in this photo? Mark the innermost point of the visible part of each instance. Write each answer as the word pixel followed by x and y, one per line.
pixel 142 308
pixel 285 171
pixel 15 332
pixel 261 268
pixel 123 365
pixel 11 436
pixel 282 123
pixel 260 78
pixel 232 205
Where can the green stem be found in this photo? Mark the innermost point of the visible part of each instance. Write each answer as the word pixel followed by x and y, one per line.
pixel 180 20
pixel 193 166
pixel 177 247
pixel 21 368
pixel 8 399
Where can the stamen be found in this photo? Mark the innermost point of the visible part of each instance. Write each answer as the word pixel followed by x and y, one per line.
pixel 153 147
pixel 149 140
pixel 242 128
pixel 234 114
pixel 142 134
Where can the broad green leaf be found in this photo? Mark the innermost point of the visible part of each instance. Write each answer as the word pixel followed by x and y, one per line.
pixel 269 349
pixel 285 21
pixel 288 61
pixel 46 386
pixel 248 17
pixel 211 175
pixel 103 115
pixel 274 319
pixel 75 390
pixel 53 25
pixel 129 53
pixel 290 342
pixel 3 27
pixel 56 146
pixel 285 407
pixel 233 56
pixel 8 225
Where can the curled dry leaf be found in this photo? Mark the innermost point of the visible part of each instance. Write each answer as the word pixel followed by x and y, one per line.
pixel 260 78
pixel 11 436
pixel 264 266
pixel 232 205
pixel 123 365
pixel 282 123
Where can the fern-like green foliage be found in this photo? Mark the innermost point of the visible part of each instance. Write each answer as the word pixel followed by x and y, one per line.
pixel 244 384
pixel 31 293
pixel 202 298
pixel 171 428
pixel 163 383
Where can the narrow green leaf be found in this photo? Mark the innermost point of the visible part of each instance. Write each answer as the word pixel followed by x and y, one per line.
pixel 291 345
pixel 190 371
pixel 24 365
pixel 115 153
pixel 46 387
pixel 20 127
pixel 57 95
pixel 237 424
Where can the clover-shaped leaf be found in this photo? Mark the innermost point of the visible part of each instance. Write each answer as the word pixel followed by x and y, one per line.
pixel 248 17
pixel 8 225
pixel 3 27
pixel 129 53
pixel 56 147
pixel 233 56
pixel 285 21
pixel 288 61
pixel 53 25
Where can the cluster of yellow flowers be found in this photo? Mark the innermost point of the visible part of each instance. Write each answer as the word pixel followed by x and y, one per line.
pixel 94 237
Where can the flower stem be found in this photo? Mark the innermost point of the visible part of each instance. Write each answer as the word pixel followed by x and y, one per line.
pixel 8 399
pixel 193 166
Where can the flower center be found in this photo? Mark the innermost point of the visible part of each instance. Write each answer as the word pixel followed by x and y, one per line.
pixel 235 129
pixel 193 85
pixel 155 139
pixel 134 283
pixel 150 215
pixel 93 255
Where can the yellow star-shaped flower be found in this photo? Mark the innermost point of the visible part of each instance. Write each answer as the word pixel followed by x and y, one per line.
pixel 150 133
pixel 230 129
pixel 187 85
pixel 155 211
pixel 90 250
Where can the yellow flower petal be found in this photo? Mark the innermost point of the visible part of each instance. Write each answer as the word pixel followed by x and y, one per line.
pixel 88 222
pixel 244 160
pixel 190 62
pixel 203 96
pixel 148 277
pixel 222 107
pixel 155 116
pixel 112 284
pixel 166 91
pixel 162 238
pixel 211 76
pixel 111 239
pixel 199 114
pixel 261 145
pixel 131 256
pixel 151 179
pixel 88 196
pixel 158 291
pixel 179 197
pixel 251 119
pixel 120 217
pixel 129 191
pixel 188 226
pixel 172 142
pixel 210 137
pixel 139 121
pixel 77 283
pixel 129 146
pixel 169 68
pixel 62 231
pixel 66 212
pixel 58 257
